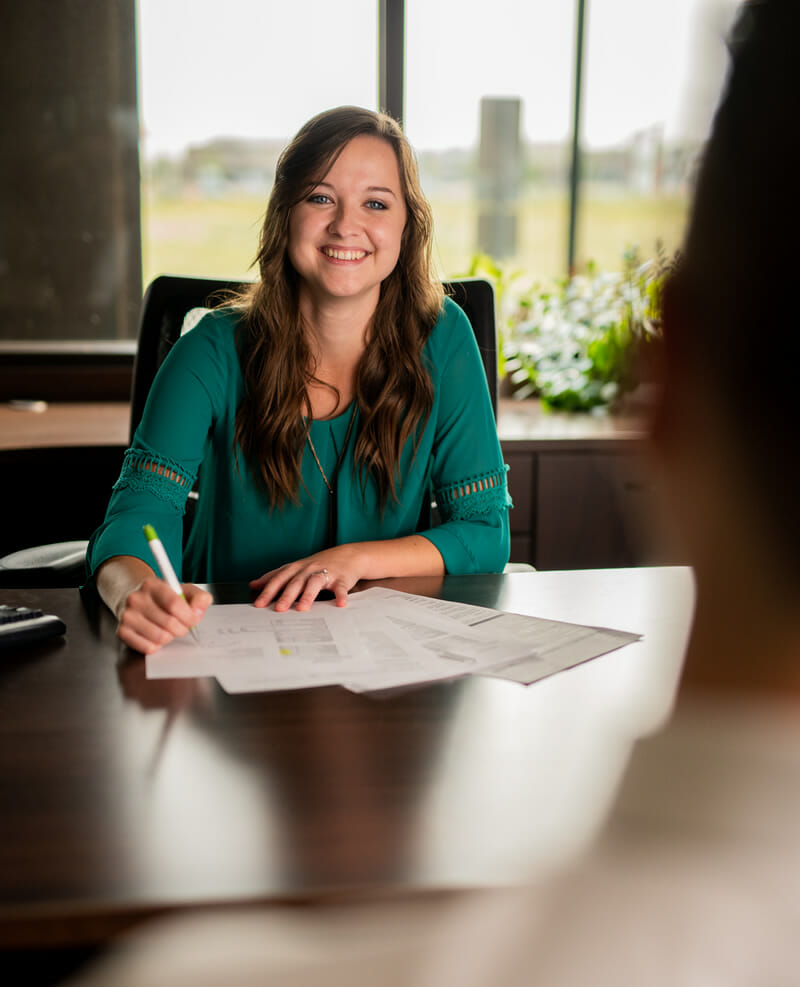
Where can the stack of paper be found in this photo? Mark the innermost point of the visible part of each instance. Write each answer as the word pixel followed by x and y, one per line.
pixel 382 639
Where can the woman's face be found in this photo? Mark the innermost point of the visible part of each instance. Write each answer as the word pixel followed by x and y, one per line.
pixel 345 235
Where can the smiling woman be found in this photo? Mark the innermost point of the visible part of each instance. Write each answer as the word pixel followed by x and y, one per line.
pixel 325 408
pixel 344 237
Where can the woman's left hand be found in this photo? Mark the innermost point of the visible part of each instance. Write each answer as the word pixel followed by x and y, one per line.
pixel 300 583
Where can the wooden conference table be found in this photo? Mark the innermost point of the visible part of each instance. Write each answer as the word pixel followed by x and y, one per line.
pixel 124 798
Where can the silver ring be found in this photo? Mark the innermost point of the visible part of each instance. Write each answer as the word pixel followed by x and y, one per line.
pixel 321 572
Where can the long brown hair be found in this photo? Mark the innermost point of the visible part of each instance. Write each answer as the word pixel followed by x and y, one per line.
pixel 393 387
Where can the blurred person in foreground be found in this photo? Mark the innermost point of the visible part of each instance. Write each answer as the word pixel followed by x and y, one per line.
pixel 696 878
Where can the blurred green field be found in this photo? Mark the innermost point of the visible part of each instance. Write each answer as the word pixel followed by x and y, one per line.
pixel 218 237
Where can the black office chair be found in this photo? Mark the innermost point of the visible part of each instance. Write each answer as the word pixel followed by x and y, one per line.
pixel 166 303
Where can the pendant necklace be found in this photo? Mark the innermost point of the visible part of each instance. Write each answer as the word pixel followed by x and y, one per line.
pixel 332 484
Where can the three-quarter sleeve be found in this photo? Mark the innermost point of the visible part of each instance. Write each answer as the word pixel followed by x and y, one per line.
pixel 467 471
pixel 160 468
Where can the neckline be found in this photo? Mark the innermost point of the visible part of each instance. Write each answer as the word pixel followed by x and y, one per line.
pixel 343 415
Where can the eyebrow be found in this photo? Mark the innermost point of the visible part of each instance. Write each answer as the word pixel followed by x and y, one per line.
pixel 371 189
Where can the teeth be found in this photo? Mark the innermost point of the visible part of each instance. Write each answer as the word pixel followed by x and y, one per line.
pixel 344 254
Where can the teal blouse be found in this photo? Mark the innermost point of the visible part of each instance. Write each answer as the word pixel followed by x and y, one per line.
pixel 187 432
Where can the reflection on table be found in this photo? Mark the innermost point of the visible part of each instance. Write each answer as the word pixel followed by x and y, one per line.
pixel 126 797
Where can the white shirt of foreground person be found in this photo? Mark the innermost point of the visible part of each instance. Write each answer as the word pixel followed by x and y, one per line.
pixel 695 881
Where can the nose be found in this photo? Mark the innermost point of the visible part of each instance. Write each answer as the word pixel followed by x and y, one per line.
pixel 344 221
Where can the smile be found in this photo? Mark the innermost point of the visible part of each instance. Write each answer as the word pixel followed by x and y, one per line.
pixel 344 254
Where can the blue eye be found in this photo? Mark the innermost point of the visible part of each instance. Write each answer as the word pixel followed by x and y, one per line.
pixel 376 204
pixel 319 197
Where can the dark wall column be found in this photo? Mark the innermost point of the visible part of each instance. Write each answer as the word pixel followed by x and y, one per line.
pixel 70 245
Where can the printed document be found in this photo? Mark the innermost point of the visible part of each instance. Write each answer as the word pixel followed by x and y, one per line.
pixel 382 639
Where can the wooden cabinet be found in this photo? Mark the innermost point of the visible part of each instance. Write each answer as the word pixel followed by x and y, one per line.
pixel 582 494
pixel 522 487
pixel 589 507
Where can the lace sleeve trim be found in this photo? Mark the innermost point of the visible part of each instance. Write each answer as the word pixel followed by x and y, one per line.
pixel 476 497
pixel 145 472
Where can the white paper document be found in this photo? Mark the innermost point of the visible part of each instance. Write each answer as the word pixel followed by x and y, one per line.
pixel 382 639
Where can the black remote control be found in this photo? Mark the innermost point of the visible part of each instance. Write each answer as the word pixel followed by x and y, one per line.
pixel 25 625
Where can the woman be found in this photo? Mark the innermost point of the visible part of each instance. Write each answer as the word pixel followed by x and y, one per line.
pixel 323 408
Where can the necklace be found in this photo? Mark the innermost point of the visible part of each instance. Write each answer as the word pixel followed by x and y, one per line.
pixel 332 486
pixel 319 464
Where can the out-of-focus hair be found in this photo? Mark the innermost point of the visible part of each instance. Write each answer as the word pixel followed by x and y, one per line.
pixel 393 387
pixel 730 310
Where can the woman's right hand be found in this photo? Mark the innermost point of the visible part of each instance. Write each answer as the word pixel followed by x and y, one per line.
pixel 150 614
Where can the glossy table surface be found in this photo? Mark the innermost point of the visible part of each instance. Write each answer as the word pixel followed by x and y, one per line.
pixel 123 797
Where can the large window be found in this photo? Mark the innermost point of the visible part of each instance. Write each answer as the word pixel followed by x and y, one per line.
pixel 142 134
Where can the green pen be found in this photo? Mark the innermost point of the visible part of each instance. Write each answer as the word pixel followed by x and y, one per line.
pixel 164 564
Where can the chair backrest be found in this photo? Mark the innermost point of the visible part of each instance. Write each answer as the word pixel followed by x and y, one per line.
pixel 169 298
pixel 167 301
pixel 476 297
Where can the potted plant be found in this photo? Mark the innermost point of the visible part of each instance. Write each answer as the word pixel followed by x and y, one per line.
pixel 580 345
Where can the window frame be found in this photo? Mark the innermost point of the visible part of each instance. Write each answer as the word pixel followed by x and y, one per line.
pixel 102 370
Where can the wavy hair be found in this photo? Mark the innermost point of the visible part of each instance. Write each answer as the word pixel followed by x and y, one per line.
pixel 393 387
